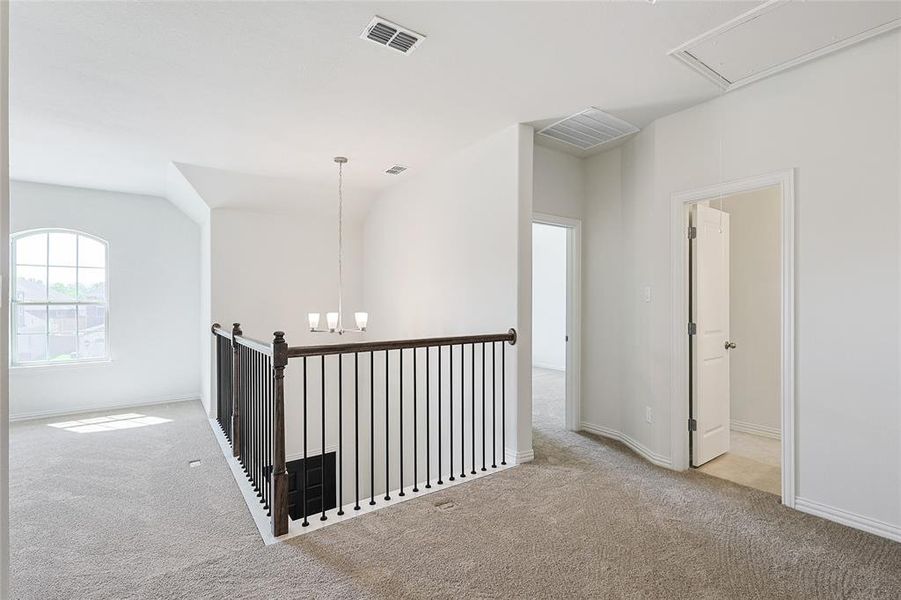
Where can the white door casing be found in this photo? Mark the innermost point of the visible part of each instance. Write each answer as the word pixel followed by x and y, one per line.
pixel 710 394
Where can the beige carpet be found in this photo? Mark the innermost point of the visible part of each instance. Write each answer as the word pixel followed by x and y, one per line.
pixel 120 514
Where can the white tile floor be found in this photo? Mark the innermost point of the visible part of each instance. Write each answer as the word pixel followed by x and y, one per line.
pixel 752 460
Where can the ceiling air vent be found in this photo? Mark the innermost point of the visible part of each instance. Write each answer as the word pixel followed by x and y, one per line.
pixel 395 170
pixel 732 54
pixel 589 129
pixel 392 35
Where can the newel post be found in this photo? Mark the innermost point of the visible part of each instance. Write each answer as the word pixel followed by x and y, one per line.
pixel 236 386
pixel 279 474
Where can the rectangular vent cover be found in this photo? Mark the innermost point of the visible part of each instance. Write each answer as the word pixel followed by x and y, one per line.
pixel 391 35
pixel 589 129
pixel 732 54
pixel 395 170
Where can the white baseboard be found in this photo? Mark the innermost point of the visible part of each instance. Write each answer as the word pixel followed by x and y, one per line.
pixel 874 526
pixel 44 414
pixel 634 445
pixel 518 458
pixel 754 429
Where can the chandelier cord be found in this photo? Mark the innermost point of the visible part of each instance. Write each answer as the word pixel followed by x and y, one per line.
pixel 340 244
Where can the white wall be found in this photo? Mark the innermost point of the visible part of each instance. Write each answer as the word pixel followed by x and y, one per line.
pixel 755 308
pixel 559 183
pixel 836 121
pixel 268 271
pixel 154 297
pixel 548 296
pixel 448 252
pixel 181 193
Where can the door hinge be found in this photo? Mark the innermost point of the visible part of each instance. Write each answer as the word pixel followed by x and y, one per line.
pixel 692 329
pixel 692 425
pixel 692 232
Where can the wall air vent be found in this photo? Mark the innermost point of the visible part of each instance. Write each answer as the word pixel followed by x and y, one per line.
pixel 589 129
pixel 395 170
pixel 391 35
pixel 733 55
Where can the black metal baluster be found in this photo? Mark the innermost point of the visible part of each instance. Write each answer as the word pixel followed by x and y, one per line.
pixel 340 434
pixel 256 425
pixel 503 407
pixel 245 410
pixel 472 413
pixel 483 407
pixel 450 403
pixel 303 478
pixel 267 456
pixel 415 429
pixel 428 435
pixel 357 430
pixel 400 388
pixel 322 446
pixel 371 428
pixel 493 406
pixel 387 437
pixel 258 465
pixel 439 417
pixel 462 411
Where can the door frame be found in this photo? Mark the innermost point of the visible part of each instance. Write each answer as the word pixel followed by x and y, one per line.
pixel 681 201
pixel 573 313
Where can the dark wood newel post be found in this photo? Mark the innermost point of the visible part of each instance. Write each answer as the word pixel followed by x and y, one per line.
pixel 236 386
pixel 280 476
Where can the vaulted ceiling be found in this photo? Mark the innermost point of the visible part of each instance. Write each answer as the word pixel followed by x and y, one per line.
pixel 106 95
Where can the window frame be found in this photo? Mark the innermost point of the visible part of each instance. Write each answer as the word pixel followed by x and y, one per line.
pixel 13 304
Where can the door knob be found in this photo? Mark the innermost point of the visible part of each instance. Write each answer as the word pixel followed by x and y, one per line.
pixel 729 345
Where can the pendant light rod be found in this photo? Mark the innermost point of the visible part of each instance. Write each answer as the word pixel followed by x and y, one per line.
pixel 335 321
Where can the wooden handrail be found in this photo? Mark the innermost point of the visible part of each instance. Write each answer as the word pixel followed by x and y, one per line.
pixel 251 343
pixel 354 347
pixel 217 330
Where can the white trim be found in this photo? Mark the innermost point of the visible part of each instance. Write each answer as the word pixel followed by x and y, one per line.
pixel 874 526
pixel 255 508
pixel 633 444
pixel 44 414
pixel 679 269
pixel 754 429
pixel 573 313
pixel 548 366
pixel 683 53
pixel 518 458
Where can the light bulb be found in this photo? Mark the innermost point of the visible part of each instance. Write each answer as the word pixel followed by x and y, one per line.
pixel 314 320
pixel 362 318
pixel 332 319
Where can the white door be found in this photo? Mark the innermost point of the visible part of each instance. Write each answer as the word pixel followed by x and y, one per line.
pixel 710 344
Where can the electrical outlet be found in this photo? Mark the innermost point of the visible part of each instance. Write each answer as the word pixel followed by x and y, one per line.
pixel 646 293
pixel 648 414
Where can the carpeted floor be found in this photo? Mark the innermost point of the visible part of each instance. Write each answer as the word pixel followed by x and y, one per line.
pixel 120 514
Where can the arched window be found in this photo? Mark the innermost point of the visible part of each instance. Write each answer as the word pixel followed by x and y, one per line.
pixel 59 298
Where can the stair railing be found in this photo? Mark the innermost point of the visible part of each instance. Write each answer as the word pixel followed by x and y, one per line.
pixel 250 409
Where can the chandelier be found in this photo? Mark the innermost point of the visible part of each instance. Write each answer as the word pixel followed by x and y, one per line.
pixel 335 320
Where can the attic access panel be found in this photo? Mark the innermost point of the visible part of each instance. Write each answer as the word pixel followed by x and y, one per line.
pixel 781 34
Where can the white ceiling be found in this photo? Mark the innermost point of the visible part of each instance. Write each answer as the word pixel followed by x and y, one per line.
pixel 107 94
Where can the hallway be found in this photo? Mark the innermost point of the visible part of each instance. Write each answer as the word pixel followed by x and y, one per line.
pixel 121 514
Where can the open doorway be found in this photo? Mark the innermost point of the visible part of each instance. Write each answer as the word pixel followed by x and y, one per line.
pixel 735 286
pixel 555 320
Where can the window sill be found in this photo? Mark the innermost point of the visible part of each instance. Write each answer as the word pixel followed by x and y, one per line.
pixel 81 364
